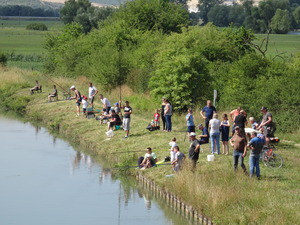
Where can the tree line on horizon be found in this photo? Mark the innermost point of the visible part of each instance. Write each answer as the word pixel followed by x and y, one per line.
pixel 21 10
pixel 273 16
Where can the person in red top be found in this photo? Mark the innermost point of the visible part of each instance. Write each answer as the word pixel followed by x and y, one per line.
pixel 156 118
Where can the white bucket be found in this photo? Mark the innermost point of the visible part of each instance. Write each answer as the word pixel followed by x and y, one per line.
pixel 210 158
pixel 110 133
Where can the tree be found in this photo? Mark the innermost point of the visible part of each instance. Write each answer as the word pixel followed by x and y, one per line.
pixel 82 12
pixel 296 15
pixel 281 22
pixel 205 6
pixel 218 14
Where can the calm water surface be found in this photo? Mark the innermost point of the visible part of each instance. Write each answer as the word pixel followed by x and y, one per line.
pixel 45 181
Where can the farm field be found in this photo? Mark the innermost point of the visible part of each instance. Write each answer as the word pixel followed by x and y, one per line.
pixel 284 45
pixel 16 40
pixel 25 47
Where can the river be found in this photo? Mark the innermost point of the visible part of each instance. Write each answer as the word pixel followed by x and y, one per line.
pixel 45 181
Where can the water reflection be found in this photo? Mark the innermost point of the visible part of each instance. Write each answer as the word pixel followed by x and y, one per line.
pixel 46 182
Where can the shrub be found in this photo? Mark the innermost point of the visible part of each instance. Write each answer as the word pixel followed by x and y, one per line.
pixel 36 26
pixel 3 59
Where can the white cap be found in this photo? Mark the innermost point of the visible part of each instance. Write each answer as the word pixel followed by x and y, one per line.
pixel 72 87
pixel 192 134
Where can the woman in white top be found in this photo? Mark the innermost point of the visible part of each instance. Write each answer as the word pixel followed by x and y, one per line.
pixel 214 125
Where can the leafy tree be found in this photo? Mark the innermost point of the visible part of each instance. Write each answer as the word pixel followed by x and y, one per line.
pixel 154 15
pixel 296 15
pixel 36 26
pixel 205 6
pixel 82 12
pixel 218 14
pixel 281 22
pixel 267 9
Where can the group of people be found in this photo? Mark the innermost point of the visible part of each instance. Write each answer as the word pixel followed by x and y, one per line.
pixel 214 128
pixel 112 114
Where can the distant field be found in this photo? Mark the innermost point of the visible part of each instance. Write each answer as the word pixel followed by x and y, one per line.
pixel 24 45
pixel 15 39
pixel 284 45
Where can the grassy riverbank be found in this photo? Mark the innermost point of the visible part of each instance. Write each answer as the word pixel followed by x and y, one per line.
pixel 213 189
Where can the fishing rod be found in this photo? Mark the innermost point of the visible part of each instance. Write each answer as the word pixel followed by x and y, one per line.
pixel 56 83
pixel 130 167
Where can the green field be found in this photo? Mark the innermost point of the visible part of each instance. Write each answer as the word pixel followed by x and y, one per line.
pixel 283 45
pixel 17 41
pixel 14 38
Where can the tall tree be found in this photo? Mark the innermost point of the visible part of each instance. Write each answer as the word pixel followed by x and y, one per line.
pixel 205 6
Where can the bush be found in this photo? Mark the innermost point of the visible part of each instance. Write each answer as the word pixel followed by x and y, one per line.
pixel 36 26
pixel 3 59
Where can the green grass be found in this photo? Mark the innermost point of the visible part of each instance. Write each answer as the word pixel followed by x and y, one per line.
pixel 213 189
pixel 283 45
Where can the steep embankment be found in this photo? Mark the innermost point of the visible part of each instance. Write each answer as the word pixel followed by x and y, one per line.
pixel 213 189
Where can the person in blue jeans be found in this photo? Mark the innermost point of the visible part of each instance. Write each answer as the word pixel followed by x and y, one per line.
pixel 214 125
pixel 239 144
pixel 256 145
pixel 168 115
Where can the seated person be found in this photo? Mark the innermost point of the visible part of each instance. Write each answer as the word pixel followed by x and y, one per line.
pixel 53 94
pixel 204 137
pixel 253 123
pixel 115 120
pixel 104 117
pixel 37 87
pixel 117 108
pixel 148 161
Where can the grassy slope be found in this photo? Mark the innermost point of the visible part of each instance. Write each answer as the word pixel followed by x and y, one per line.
pixel 214 189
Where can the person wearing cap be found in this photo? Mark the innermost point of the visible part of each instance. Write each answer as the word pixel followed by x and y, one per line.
pixel 266 124
pixel 78 98
pixel 117 108
pixel 239 144
pixel 209 110
pixel 92 92
pixel 194 149
pixel 204 137
pixel 256 145
pixel 149 160
pixel 85 104
pixel 105 102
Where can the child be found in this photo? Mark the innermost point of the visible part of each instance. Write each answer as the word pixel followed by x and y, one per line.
pixel 104 117
pixel 224 128
pixel 179 156
pixel 85 104
pixel 173 144
pixel 156 118
pixel 190 121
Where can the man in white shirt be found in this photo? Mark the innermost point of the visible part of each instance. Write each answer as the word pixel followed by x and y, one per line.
pixel 92 92
pixel 105 102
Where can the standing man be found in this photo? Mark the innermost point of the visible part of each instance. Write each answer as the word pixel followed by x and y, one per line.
pixel 266 124
pixel 209 110
pixel 92 92
pixel 126 118
pixel 256 145
pixel 106 103
pixel 234 113
pixel 241 121
pixel 239 144
pixel 194 149
pixel 78 98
